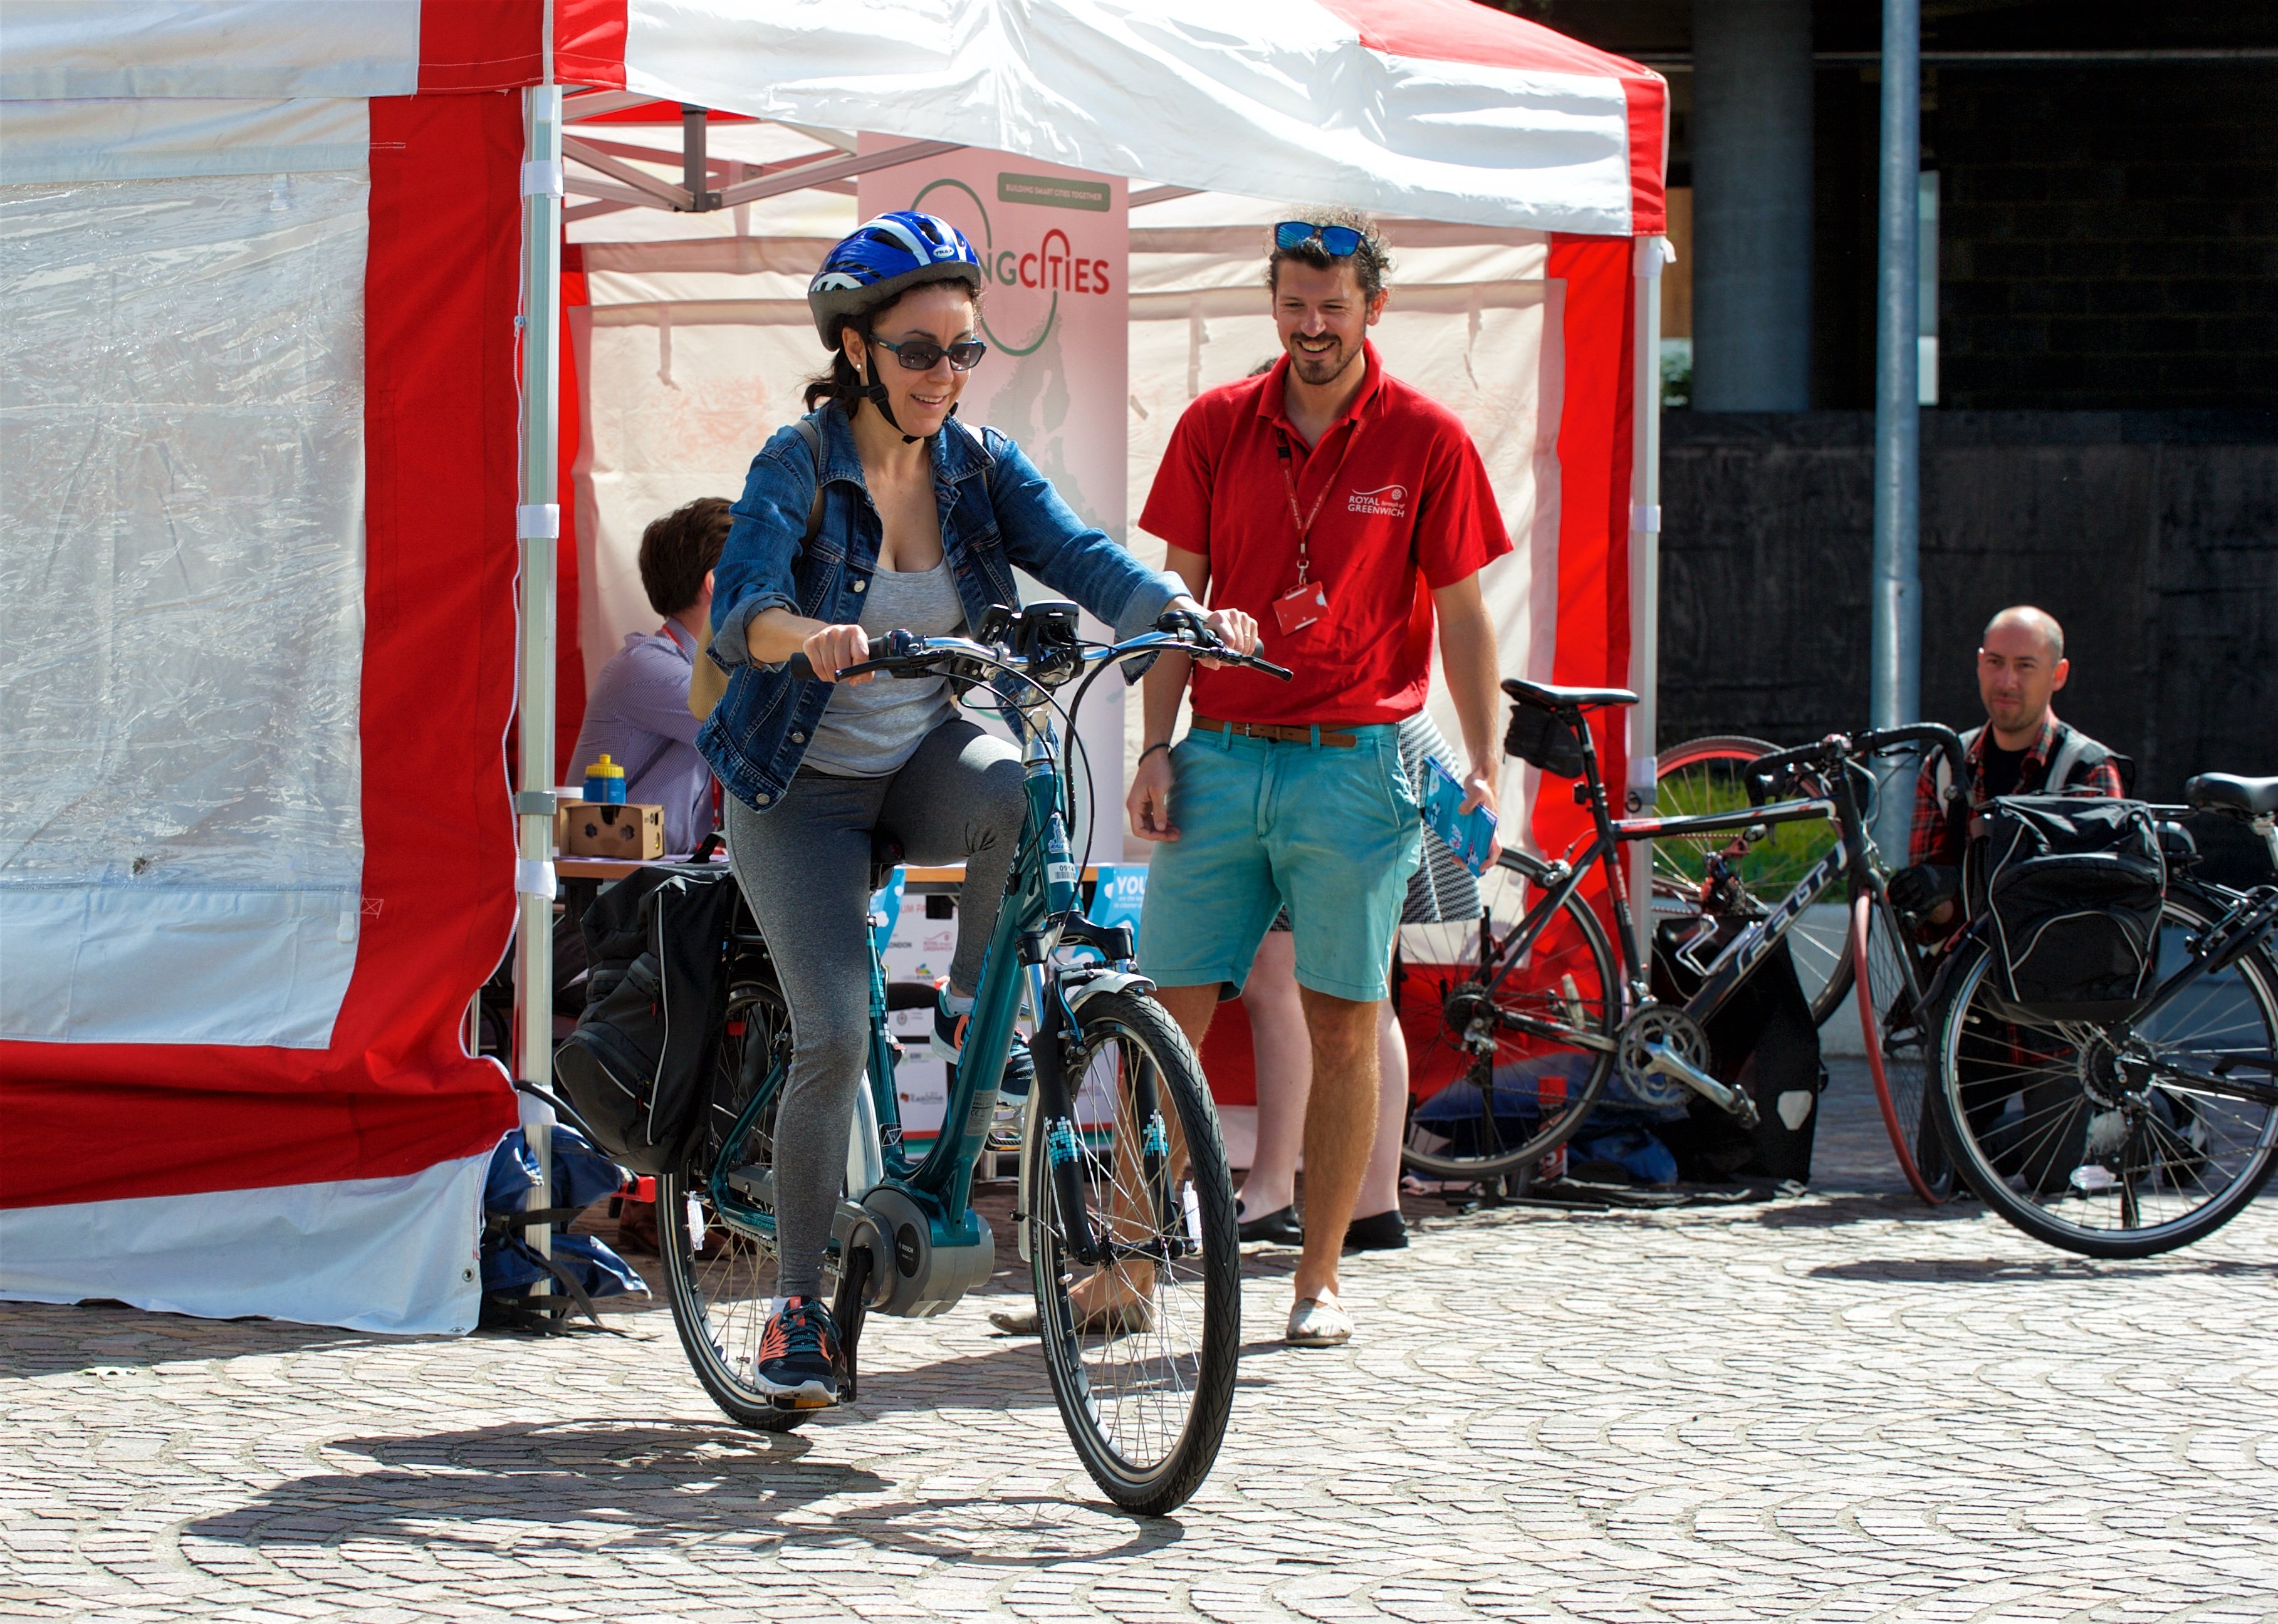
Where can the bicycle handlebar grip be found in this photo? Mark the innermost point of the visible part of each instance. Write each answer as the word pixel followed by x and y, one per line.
pixel 801 668
pixel 1762 774
pixel 1257 663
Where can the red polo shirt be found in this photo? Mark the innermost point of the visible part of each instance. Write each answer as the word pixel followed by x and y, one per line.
pixel 1399 504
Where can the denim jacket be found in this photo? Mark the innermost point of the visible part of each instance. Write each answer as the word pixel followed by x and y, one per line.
pixel 996 512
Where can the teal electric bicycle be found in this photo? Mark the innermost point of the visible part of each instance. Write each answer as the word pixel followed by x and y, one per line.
pixel 1122 1171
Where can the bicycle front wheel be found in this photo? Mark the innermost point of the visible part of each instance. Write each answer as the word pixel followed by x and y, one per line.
pixel 1703 775
pixel 2102 1138
pixel 717 1280
pixel 1891 977
pixel 1540 1041
pixel 1141 1351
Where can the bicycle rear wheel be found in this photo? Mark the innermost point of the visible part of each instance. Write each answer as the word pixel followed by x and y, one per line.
pixel 717 1279
pixel 1891 977
pixel 1703 775
pixel 1522 1093
pixel 2093 1136
pixel 1145 1390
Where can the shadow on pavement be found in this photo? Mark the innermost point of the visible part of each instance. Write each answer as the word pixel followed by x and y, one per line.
pixel 2057 1266
pixel 578 1487
pixel 97 1337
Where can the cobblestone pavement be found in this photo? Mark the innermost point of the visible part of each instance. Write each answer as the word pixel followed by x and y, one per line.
pixel 1838 1408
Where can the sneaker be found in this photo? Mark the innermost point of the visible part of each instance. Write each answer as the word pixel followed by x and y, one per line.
pixel 798 1366
pixel 948 1039
pixel 947 1043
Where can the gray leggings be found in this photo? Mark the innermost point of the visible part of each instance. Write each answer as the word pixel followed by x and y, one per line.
pixel 804 866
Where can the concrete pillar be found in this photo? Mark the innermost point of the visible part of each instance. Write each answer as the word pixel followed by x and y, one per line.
pixel 1751 205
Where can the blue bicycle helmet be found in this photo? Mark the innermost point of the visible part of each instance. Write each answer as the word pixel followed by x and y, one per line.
pixel 883 256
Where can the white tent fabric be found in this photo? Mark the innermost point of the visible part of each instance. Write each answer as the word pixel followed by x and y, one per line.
pixel 157 48
pixel 185 400
pixel 1151 89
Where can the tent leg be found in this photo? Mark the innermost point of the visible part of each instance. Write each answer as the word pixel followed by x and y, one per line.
pixel 1645 578
pixel 538 528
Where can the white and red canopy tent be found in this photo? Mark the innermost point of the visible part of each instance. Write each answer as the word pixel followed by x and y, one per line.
pixel 268 483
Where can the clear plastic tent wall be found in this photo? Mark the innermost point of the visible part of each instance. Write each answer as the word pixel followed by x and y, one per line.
pixel 181 588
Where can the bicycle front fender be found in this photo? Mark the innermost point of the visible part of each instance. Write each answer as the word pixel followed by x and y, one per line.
pixel 1077 991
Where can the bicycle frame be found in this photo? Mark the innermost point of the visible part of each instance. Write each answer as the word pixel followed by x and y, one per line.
pixel 1854 852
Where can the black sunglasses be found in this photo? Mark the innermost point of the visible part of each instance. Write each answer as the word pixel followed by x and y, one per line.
pixel 1337 241
pixel 923 354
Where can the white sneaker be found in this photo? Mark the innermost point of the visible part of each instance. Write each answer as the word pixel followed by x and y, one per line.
pixel 1318 1321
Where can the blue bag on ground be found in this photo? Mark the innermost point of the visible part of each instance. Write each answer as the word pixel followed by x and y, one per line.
pixel 584 1267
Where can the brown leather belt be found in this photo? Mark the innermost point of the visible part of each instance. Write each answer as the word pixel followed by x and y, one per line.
pixel 1279 734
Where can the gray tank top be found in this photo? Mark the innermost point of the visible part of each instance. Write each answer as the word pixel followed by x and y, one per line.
pixel 869 730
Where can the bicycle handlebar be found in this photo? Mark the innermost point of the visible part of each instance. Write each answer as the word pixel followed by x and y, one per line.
pixel 1765 772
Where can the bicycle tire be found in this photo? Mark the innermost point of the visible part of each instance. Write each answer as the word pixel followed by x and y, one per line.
pixel 1685 780
pixel 713 1276
pixel 1897 1042
pixel 1578 953
pixel 2026 1163
pixel 1144 1462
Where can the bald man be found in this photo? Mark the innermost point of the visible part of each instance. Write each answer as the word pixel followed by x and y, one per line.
pixel 2022 749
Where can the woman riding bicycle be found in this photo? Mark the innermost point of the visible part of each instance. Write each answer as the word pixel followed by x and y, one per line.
pixel 920 524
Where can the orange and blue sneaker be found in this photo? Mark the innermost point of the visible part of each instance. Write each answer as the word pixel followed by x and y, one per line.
pixel 1019 1074
pixel 798 1366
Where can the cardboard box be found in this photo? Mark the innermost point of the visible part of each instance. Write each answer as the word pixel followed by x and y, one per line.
pixel 631 832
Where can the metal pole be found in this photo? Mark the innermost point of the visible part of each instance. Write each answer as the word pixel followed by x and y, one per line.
pixel 1895 689
pixel 537 527
pixel 1645 575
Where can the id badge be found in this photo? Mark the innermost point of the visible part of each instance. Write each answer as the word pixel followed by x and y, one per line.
pixel 1300 606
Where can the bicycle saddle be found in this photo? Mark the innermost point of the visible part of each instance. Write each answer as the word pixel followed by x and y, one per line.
pixel 1543 696
pixel 2225 792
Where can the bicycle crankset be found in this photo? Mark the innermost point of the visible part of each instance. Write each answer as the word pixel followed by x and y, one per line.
pixel 1664 1053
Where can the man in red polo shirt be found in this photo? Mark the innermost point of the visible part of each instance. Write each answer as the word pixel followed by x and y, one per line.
pixel 1342 510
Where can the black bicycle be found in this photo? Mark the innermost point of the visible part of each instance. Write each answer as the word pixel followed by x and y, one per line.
pixel 1549 1009
pixel 2126 1138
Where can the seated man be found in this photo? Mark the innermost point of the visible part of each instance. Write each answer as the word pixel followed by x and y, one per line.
pixel 2022 748
pixel 638 715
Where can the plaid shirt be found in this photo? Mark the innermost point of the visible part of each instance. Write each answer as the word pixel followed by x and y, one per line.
pixel 1934 839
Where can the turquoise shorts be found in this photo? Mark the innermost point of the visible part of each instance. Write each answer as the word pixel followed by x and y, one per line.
pixel 1331 833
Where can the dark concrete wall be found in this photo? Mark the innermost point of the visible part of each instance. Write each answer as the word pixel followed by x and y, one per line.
pixel 2152 536
pixel 2110 236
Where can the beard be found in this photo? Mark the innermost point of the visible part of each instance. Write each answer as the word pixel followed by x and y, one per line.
pixel 1322 366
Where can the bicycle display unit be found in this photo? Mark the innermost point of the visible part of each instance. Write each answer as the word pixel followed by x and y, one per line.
pixel 1122 1169
pixel 1548 1010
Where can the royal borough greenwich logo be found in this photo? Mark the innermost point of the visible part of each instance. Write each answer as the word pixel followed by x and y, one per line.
pixel 1054 262
pixel 1388 501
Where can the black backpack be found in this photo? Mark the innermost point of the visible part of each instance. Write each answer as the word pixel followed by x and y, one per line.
pixel 2069 888
pixel 638 1067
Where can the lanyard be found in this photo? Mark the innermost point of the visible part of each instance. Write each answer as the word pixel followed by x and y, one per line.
pixel 1304 523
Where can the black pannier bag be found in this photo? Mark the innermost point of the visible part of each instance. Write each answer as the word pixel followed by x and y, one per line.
pixel 2069 887
pixel 639 1065
pixel 1542 739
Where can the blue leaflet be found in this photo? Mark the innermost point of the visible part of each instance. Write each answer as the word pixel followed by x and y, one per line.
pixel 1469 835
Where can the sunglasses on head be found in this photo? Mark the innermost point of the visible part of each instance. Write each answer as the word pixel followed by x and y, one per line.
pixel 923 354
pixel 1337 241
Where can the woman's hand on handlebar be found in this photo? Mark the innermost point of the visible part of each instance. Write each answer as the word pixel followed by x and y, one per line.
pixel 834 648
pixel 1230 627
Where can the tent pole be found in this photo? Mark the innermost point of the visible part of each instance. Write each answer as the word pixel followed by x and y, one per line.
pixel 1895 692
pixel 1645 575
pixel 538 528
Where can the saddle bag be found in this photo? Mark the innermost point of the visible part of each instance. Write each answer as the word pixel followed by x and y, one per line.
pixel 638 1067
pixel 1542 739
pixel 2069 887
